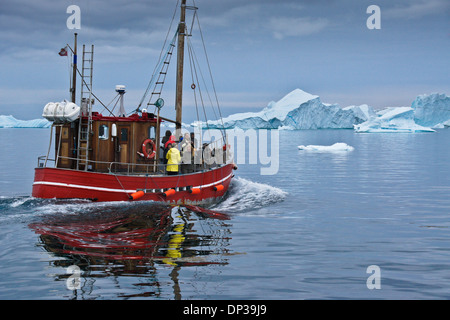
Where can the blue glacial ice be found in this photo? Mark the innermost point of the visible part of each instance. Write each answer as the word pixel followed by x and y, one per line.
pixel 11 122
pixel 399 119
pixel 432 110
pixel 298 110
pixel 427 112
pixel 301 110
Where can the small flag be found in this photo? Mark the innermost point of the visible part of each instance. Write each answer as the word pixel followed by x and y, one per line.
pixel 63 52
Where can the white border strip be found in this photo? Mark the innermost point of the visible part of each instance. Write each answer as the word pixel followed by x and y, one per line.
pixel 69 185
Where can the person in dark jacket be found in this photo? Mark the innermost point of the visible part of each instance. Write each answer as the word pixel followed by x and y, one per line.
pixel 164 143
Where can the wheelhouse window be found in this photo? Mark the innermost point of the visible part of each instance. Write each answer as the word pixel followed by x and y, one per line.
pixel 124 134
pixel 103 132
pixel 151 132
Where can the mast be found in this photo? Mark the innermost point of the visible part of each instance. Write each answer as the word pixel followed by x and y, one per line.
pixel 180 62
pixel 74 72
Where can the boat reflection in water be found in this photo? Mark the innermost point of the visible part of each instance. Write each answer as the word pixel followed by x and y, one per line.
pixel 143 240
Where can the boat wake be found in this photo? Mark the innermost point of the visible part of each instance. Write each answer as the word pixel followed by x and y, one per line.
pixel 244 195
pixel 26 208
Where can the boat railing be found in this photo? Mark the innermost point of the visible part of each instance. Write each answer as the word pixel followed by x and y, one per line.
pixel 115 167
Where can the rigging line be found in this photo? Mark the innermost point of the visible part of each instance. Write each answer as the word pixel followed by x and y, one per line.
pixel 114 99
pixel 157 67
pixel 164 68
pixel 115 105
pixel 90 91
pixel 209 68
pixel 112 102
pixel 200 94
pixel 194 58
pixel 192 76
pixel 122 186
pixel 203 78
pixel 222 131
pixel 160 54
pixel 154 182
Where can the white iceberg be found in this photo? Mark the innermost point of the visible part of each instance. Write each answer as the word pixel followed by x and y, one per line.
pixel 432 110
pixel 426 112
pixel 11 122
pixel 363 111
pixel 298 110
pixel 399 119
pixel 301 110
pixel 337 147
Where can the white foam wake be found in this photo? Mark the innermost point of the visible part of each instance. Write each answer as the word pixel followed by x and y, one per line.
pixel 244 195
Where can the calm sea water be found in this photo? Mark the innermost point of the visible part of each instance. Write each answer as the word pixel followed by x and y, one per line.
pixel 309 232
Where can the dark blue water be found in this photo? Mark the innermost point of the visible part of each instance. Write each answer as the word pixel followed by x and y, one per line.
pixel 309 232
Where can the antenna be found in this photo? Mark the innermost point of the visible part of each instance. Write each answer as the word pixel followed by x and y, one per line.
pixel 121 90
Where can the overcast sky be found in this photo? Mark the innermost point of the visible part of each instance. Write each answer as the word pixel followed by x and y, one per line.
pixel 259 50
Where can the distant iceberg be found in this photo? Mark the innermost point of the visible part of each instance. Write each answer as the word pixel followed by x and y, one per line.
pixel 301 110
pixel 399 119
pixel 432 110
pixel 337 147
pixel 426 112
pixel 11 122
pixel 298 110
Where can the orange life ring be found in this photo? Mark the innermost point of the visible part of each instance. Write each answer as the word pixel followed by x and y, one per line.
pixel 148 154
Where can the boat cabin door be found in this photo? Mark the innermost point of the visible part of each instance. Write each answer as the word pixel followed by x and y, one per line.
pixel 123 145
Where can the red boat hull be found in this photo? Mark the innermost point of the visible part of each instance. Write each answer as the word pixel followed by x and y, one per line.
pixel 210 186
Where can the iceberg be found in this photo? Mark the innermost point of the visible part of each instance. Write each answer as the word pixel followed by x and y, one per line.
pixel 337 147
pixel 432 110
pixel 426 112
pixel 11 122
pixel 400 119
pixel 301 110
pixel 363 111
pixel 298 110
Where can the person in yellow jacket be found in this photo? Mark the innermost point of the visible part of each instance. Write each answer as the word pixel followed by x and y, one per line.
pixel 173 159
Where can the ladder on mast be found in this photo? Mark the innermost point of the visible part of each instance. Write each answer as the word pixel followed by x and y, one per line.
pixel 85 123
pixel 157 89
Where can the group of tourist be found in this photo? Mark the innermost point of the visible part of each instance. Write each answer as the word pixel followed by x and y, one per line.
pixel 179 152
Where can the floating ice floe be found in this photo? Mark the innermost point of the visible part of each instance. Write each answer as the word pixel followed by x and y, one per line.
pixel 337 147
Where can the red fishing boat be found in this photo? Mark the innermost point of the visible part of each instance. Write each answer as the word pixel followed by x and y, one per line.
pixel 119 157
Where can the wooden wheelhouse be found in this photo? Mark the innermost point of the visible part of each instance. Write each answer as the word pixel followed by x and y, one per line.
pixel 114 144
